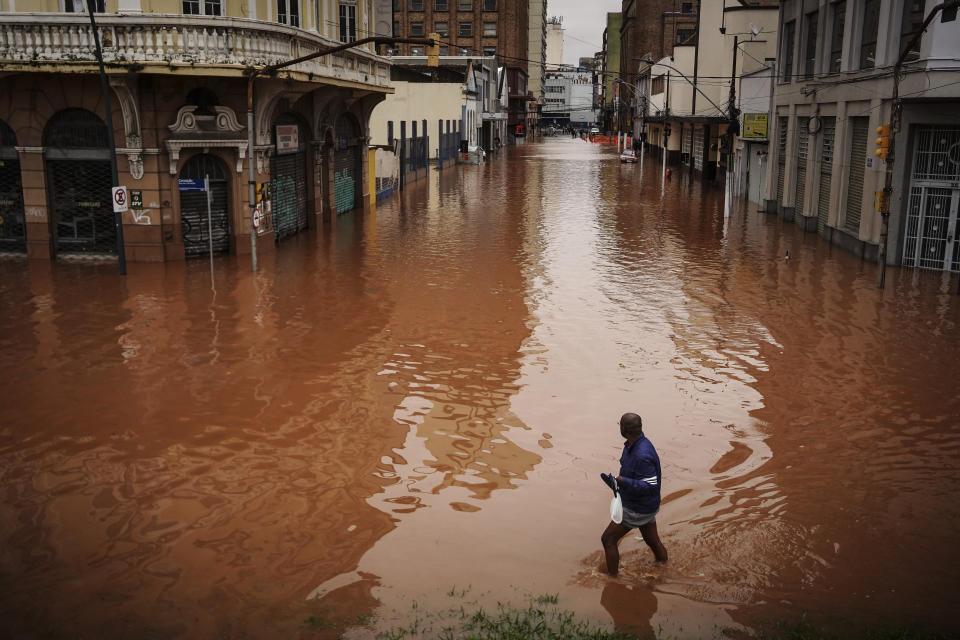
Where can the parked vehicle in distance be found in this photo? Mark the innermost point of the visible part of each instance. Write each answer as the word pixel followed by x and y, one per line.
pixel 628 155
pixel 594 130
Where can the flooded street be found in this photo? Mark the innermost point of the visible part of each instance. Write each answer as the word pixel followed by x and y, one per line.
pixel 418 402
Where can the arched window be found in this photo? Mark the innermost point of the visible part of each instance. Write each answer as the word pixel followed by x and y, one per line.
pixel 75 129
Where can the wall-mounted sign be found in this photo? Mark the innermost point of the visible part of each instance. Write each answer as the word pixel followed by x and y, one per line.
pixel 136 199
pixel 755 125
pixel 288 138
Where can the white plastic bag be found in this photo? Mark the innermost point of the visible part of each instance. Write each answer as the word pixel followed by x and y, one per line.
pixel 616 508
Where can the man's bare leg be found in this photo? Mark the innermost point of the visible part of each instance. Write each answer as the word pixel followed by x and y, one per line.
pixel 650 536
pixel 610 539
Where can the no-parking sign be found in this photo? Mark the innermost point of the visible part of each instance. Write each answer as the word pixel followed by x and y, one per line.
pixel 121 201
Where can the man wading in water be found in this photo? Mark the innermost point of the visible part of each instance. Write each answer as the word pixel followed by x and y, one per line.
pixel 639 485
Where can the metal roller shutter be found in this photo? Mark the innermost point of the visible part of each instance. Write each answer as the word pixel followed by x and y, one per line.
pixel 803 141
pixel 860 127
pixel 826 171
pixel 288 193
pixel 82 211
pixel 698 148
pixel 195 227
pixel 781 157
pixel 13 230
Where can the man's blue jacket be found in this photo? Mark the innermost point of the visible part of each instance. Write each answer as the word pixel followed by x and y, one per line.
pixel 640 476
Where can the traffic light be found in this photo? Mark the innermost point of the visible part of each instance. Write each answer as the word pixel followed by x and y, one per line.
pixel 883 141
pixel 433 51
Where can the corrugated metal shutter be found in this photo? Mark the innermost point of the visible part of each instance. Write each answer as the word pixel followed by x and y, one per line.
pixel 803 140
pixel 781 156
pixel 288 193
pixel 687 145
pixel 698 148
pixel 860 127
pixel 195 226
pixel 826 171
pixel 347 163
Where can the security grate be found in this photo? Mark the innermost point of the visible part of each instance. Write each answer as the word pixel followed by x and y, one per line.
pixel 937 154
pixel 195 227
pixel 346 164
pixel 827 142
pixel 83 220
pixel 13 230
pixel 858 157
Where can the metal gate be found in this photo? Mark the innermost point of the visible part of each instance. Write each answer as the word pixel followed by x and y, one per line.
pixel 79 180
pixel 193 208
pixel 687 145
pixel 860 127
pixel 827 141
pixel 803 140
pixel 698 148
pixel 933 208
pixel 13 230
pixel 781 157
pixel 346 164
pixel 288 185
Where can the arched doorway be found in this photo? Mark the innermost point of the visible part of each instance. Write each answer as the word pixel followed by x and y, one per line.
pixel 13 228
pixel 346 164
pixel 288 177
pixel 193 207
pixel 77 159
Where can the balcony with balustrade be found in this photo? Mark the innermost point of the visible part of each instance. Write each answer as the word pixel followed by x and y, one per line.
pixel 193 45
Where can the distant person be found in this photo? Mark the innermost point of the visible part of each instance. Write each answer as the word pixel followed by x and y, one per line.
pixel 639 486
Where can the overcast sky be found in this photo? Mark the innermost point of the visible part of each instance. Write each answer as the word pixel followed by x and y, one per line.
pixel 583 24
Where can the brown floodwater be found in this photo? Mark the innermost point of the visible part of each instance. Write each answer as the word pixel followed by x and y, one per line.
pixel 410 409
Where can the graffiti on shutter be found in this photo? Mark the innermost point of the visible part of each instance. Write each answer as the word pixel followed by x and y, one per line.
pixel 194 225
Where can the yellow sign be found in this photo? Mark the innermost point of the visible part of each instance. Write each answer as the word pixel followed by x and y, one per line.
pixel 754 125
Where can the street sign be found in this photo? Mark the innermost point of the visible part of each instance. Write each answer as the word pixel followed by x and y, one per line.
pixel 256 217
pixel 121 201
pixel 136 199
pixel 288 138
pixel 191 184
pixel 755 125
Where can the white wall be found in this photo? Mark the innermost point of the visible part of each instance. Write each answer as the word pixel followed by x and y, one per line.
pixel 415 102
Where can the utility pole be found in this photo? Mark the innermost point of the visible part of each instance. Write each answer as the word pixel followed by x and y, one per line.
pixel 105 90
pixel 887 147
pixel 733 129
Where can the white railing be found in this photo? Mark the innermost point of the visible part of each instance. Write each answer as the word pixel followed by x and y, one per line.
pixel 177 40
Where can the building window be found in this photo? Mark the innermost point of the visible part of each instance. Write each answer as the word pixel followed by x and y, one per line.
pixel 490 29
pixel 839 17
pixel 441 28
pixel 288 12
pixel 465 5
pixel 416 29
pixel 657 85
pixel 348 22
pixel 444 51
pixel 909 26
pixel 686 7
pixel 396 28
pixel 465 30
pixel 416 5
pixel 464 51
pixel 416 51
pixel 441 5
pixel 868 36
pixel 489 5
pixel 810 50
pixel 684 34
pixel 80 6
pixel 489 51
pixel 789 33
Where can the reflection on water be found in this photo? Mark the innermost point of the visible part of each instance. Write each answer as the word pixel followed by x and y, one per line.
pixel 422 398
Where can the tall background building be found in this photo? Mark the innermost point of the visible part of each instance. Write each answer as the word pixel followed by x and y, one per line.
pixel 554 42
pixel 537 50
pixel 475 28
